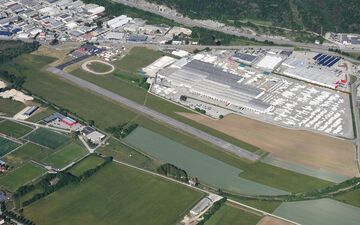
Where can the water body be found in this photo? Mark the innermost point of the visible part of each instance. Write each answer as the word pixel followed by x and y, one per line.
pixel 207 169
pixel 320 212
pixel 298 168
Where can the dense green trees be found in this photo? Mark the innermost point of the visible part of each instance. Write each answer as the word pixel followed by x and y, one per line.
pixel 11 49
pixel 170 170
pixel 122 130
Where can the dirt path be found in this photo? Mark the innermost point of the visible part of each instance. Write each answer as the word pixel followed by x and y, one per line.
pixel 85 67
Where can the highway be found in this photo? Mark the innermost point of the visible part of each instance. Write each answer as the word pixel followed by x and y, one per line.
pixel 156 115
pixel 194 23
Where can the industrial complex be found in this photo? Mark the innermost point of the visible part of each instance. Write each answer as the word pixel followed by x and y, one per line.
pixel 259 84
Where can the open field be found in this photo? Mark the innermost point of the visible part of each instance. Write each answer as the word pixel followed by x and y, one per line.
pixel 267 206
pixel 86 164
pixel 47 138
pixel 303 147
pixel 229 214
pixel 351 197
pixel 14 129
pixel 116 195
pixel 319 212
pixel 21 176
pixel 65 155
pixel 10 107
pixel 268 220
pixel 26 153
pixel 210 171
pixel 7 145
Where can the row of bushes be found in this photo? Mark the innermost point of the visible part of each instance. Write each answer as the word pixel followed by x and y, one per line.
pixel 11 215
pixel 122 130
pixel 172 171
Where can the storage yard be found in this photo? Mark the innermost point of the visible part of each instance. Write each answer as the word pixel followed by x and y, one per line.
pixel 246 82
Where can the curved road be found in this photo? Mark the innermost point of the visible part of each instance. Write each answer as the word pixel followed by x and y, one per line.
pixel 156 115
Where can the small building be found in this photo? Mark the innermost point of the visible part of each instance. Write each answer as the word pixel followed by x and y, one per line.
pixel 69 121
pixel 87 130
pixel 53 117
pixel 95 137
pixel 31 110
pixel 201 206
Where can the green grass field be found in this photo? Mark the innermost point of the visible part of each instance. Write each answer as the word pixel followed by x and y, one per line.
pixel 21 176
pixel 281 178
pixel 231 215
pixel 7 145
pixel 14 129
pixel 47 138
pixel 351 197
pixel 26 153
pixel 116 195
pixel 267 206
pixel 86 164
pixel 99 67
pixel 10 107
pixel 65 155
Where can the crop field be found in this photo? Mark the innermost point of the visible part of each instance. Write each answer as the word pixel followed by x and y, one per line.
pixel 210 171
pixel 114 196
pixel 86 164
pixel 21 176
pixel 296 146
pixel 65 156
pixel 14 129
pixel 229 214
pixel 319 212
pixel 268 220
pixel 351 197
pixel 47 138
pixel 26 153
pixel 7 145
pixel 10 107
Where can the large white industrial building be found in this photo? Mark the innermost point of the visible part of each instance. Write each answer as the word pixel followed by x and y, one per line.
pixel 205 80
pixel 118 21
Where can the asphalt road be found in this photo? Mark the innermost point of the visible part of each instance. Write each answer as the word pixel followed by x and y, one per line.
pixel 356 117
pixel 156 115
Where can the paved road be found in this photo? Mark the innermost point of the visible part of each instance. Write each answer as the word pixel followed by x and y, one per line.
pixel 193 23
pixel 356 117
pixel 156 115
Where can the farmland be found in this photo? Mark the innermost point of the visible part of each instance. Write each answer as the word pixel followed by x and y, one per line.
pixel 21 176
pixel 10 107
pixel 111 197
pixel 228 214
pixel 268 220
pixel 47 138
pixel 65 155
pixel 26 153
pixel 320 212
pixel 86 164
pixel 295 146
pixel 14 129
pixel 7 145
pixel 351 197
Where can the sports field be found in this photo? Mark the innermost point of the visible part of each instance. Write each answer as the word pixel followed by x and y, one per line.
pixel 47 138
pixel 229 214
pixel 66 155
pixel 210 171
pixel 10 107
pixel 116 195
pixel 86 164
pixel 303 147
pixel 20 176
pixel 26 153
pixel 7 145
pixel 14 129
pixel 320 212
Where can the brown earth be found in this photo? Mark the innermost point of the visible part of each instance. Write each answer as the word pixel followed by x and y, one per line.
pixel 304 147
pixel 268 220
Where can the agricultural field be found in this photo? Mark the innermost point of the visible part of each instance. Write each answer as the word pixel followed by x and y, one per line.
pixel 210 171
pixel 229 214
pixel 351 197
pixel 118 188
pixel 10 107
pixel 65 155
pixel 296 146
pixel 267 206
pixel 26 153
pixel 268 220
pixel 21 176
pixel 319 212
pixel 86 164
pixel 7 146
pixel 14 129
pixel 47 138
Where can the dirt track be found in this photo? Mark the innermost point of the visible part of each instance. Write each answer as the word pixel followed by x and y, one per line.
pixel 304 147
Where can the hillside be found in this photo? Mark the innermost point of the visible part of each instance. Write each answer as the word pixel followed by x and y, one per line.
pixel 331 15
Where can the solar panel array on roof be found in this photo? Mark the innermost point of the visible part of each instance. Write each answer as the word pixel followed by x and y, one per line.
pixel 244 57
pixel 326 60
